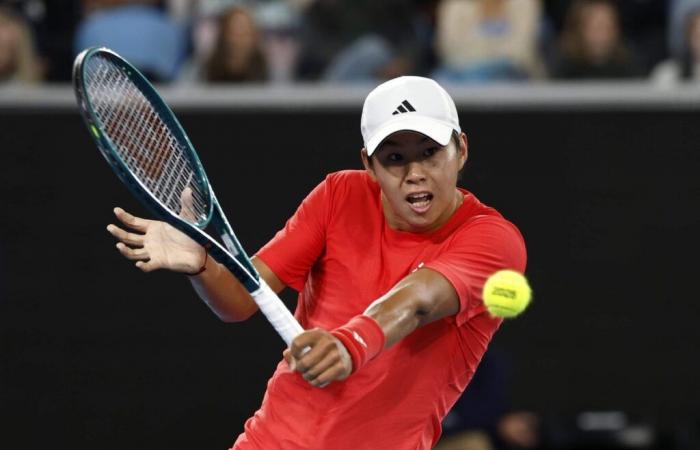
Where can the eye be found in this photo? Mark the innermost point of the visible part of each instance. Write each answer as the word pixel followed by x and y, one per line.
pixel 394 157
pixel 430 151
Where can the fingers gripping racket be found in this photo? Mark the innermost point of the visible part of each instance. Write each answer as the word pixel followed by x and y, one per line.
pixel 142 140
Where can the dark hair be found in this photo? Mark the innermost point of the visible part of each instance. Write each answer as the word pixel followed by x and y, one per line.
pixel 571 43
pixel 216 68
pixel 455 138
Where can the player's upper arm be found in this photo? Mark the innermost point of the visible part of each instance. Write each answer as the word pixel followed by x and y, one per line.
pixel 486 246
pixel 435 297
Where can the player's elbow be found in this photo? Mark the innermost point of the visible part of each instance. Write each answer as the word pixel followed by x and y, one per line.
pixel 235 315
pixel 411 301
pixel 232 319
pixel 434 298
pixel 432 309
pixel 425 306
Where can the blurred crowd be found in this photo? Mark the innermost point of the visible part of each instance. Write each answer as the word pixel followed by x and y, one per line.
pixel 277 41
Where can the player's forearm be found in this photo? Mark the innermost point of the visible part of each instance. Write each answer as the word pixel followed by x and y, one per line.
pixel 223 293
pixel 396 313
pixel 420 298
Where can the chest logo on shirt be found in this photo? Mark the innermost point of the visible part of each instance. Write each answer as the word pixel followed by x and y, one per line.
pixel 418 266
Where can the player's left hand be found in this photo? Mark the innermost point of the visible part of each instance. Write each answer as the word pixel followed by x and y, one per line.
pixel 326 360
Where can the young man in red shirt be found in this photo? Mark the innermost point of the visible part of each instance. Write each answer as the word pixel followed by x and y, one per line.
pixel 389 263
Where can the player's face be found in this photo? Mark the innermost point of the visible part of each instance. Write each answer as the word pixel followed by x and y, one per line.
pixel 418 179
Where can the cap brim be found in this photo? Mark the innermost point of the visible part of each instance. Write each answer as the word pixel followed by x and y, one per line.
pixel 435 130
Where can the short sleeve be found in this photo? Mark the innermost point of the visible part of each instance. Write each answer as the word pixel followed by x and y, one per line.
pixel 476 251
pixel 297 246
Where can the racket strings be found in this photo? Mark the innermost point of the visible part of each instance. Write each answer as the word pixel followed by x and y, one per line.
pixel 143 140
pixel 149 128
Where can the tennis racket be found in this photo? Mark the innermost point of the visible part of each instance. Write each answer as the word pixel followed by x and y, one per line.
pixel 145 145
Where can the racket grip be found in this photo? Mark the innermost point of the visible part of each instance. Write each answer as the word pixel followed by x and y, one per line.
pixel 276 312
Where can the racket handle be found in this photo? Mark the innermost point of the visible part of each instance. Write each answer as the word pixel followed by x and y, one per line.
pixel 276 312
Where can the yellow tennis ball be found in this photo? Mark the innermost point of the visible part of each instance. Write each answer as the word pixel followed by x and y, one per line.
pixel 506 293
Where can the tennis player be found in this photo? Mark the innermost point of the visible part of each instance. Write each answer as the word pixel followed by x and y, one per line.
pixel 389 263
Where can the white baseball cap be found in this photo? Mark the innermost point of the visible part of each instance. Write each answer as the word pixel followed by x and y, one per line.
pixel 408 103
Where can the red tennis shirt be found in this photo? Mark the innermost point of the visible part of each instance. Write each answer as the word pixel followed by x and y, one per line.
pixel 340 254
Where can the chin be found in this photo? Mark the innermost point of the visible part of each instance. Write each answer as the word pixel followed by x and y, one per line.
pixel 420 226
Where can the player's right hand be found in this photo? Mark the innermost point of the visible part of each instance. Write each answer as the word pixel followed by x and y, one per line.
pixel 319 357
pixel 156 245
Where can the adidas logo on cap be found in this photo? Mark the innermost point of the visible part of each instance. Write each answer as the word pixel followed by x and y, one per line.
pixel 404 107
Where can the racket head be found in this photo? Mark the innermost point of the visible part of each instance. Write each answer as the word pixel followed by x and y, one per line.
pixel 140 137
pixel 111 94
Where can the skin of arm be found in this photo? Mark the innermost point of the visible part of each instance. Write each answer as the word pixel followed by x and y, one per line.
pixel 225 295
pixel 420 298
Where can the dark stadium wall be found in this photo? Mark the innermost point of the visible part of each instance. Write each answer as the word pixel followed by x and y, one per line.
pixel 96 354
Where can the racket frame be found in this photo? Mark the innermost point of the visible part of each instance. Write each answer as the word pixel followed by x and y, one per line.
pixel 232 256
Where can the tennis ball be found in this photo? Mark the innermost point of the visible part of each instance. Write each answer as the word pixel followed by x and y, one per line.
pixel 506 293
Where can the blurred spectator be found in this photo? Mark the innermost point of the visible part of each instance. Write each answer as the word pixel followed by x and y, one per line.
pixel 233 43
pixel 591 45
pixel 280 21
pixel 364 40
pixel 237 54
pixel 643 23
pixel 51 24
pixel 140 32
pixel 482 418
pixel 686 66
pixel 676 30
pixel 487 40
pixel 18 59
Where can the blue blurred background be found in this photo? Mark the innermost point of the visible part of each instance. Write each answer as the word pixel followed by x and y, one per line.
pixel 285 41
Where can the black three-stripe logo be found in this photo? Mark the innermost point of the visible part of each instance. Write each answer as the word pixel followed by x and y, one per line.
pixel 404 107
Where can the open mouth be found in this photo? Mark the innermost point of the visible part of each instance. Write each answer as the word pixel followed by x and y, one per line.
pixel 420 201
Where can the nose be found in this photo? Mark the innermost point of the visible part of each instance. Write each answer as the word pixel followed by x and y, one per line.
pixel 415 173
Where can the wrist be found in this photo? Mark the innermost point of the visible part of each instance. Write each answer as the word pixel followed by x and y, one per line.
pixel 202 267
pixel 363 338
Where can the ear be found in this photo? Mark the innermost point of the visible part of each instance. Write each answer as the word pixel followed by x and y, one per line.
pixel 463 150
pixel 368 165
